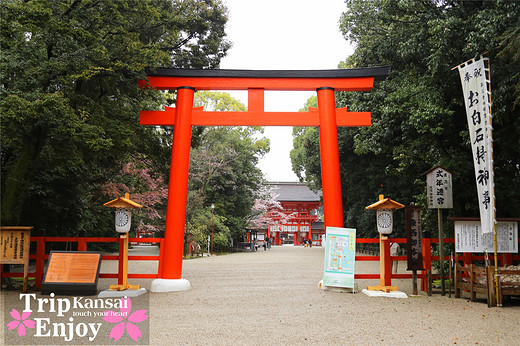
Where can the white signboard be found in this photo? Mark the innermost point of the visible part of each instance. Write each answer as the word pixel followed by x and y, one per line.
pixel 478 110
pixel 440 189
pixel 469 237
pixel 340 257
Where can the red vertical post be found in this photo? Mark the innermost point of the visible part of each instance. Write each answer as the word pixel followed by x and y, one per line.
pixel 40 254
pixel 427 262
pixel 467 258
pixel 121 262
pixel 171 251
pixel 330 173
pixel 508 259
pixel 385 261
pixel 82 244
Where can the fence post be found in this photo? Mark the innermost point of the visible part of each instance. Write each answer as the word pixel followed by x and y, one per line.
pixel 427 262
pixel 429 276
pixel 467 258
pixel 82 244
pixel 507 259
pixel 40 253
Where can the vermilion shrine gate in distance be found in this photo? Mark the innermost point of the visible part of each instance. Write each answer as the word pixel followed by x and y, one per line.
pixel 184 116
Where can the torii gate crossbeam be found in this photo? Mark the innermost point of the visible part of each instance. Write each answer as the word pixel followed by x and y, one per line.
pixel 184 116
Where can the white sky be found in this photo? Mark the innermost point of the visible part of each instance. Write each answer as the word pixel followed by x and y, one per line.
pixel 283 35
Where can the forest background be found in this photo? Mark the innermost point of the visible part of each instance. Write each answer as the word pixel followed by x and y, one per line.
pixel 71 139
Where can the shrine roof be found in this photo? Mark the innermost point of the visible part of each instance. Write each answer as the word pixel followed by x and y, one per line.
pixel 293 192
pixel 378 72
pixel 318 226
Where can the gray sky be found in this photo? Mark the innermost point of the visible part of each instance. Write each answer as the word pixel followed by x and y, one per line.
pixel 284 35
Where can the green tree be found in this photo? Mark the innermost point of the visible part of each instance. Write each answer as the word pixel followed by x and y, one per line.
pixel 70 100
pixel 418 116
pixel 223 171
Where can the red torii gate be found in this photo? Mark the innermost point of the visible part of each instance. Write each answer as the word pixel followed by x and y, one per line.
pixel 184 115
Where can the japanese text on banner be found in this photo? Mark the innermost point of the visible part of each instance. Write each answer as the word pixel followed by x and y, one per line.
pixel 478 110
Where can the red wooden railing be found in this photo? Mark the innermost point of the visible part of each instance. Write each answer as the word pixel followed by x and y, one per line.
pixel 82 242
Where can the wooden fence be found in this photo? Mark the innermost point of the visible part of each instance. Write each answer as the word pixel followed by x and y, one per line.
pixel 82 245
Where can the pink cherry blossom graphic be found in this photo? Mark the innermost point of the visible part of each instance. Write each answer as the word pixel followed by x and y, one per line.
pixel 119 329
pixel 21 321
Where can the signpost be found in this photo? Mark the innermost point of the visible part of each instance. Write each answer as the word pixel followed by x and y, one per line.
pixel 440 196
pixel 15 242
pixel 340 257
pixel 414 242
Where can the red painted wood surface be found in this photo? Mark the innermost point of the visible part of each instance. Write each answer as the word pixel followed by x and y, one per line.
pixel 280 84
pixel 329 156
pixel 170 266
pixel 255 118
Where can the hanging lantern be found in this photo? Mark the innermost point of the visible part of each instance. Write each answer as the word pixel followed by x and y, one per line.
pixel 384 221
pixel 384 213
pixel 123 218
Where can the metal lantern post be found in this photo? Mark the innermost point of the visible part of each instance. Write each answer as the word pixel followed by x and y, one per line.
pixel 123 220
pixel 384 208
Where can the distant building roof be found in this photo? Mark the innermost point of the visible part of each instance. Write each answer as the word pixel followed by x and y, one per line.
pixel 318 226
pixel 293 192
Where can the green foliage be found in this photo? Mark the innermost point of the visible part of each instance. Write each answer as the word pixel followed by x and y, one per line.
pixel 70 100
pixel 418 115
pixel 223 170
pixel 202 223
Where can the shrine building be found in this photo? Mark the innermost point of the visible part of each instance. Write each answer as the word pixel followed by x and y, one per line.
pixel 300 205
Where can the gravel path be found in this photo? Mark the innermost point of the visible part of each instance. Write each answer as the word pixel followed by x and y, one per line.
pixel 272 297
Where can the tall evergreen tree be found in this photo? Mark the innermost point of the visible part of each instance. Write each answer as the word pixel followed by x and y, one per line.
pixel 418 115
pixel 70 100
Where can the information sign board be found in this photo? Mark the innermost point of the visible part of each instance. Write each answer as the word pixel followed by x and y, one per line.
pixel 14 247
pixel 340 257
pixel 71 272
pixel 414 238
pixel 440 189
pixel 469 237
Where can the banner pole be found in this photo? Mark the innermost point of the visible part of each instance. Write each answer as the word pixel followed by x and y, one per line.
pixel 497 275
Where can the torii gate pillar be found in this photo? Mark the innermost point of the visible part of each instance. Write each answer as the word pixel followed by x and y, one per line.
pixel 329 153
pixel 327 117
pixel 170 261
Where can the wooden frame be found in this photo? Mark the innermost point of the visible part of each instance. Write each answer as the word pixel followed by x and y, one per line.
pixel 15 248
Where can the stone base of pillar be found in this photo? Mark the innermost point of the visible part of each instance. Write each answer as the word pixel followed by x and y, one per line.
pixel 170 285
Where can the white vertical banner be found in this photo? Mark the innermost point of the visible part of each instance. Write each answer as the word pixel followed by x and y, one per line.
pixel 474 77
